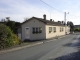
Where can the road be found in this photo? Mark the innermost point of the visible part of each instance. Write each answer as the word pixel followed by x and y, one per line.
pixel 66 48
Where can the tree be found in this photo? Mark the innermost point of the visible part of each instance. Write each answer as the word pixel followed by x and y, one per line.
pixel 13 25
pixel 8 18
pixel 71 25
pixel 1 20
pixel 17 25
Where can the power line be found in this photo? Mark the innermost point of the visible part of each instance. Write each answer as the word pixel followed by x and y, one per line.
pixel 57 9
pixel 51 6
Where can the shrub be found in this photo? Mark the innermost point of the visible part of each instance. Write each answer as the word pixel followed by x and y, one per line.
pixel 77 29
pixel 7 38
pixel 16 39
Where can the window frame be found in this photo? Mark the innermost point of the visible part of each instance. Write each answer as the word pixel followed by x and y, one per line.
pixel 54 29
pixel 40 29
pixel 50 29
pixel 33 30
pixel 36 30
pixel 60 29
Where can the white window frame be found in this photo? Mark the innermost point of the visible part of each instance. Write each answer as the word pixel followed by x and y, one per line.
pixel 54 29
pixel 51 29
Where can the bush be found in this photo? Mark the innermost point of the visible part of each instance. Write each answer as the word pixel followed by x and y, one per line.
pixel 16 39
pixel 77 29
pixel 7 38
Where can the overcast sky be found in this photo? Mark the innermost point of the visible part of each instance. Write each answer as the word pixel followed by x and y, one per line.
pixel 18 10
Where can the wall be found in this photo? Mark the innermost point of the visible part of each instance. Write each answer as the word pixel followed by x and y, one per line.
pixel 19 35
pixel 68 29
pixel 54 34
pixel 34 23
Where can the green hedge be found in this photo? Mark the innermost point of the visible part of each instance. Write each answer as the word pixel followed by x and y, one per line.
pixel 7 38
pixel 77 29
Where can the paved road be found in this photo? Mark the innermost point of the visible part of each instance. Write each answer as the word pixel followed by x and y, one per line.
pixel 66 48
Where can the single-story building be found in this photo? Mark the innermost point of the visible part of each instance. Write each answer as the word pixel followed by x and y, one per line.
pixel 41 28
pixel 76 26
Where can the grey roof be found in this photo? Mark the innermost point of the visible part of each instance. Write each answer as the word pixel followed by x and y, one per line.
pixel 77 26
pixel 48 22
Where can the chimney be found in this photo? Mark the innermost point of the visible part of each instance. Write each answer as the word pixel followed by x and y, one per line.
pixel 50 19
pixel 59 21
pixel 44 17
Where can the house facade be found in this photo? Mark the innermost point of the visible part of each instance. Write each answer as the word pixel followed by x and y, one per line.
pixel 38 29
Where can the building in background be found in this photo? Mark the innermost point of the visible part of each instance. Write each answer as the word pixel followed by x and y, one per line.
pixel 76 26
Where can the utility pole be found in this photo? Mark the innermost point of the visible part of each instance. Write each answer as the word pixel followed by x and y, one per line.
pixel 65 21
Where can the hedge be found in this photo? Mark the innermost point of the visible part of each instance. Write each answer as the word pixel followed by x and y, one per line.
pixel 7 37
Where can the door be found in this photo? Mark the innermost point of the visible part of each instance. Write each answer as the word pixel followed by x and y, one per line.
pixel 27 32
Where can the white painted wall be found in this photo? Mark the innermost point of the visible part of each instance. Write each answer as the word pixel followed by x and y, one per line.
pixel 34 23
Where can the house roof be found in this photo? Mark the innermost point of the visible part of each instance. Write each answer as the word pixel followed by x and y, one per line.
pixel 48 22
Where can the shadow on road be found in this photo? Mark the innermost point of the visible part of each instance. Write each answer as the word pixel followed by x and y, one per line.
pixel 71 56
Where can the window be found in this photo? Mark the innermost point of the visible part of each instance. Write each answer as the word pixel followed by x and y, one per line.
pixel 40 30
pixel 50 29
pixel 54 29
pixel 33 30
pixel 36 30
pixel 60 29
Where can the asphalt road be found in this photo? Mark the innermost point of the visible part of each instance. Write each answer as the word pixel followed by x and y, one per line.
pixel 66 48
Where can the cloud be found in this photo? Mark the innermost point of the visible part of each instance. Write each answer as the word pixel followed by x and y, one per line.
pixel 19 9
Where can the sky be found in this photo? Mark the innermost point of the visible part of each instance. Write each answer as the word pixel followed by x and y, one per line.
pixel 19 10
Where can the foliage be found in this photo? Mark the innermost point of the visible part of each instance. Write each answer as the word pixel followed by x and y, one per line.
pixel 17 24
pixel 77 29
pixel 7 38
pixel 71 25
pixel 11 24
